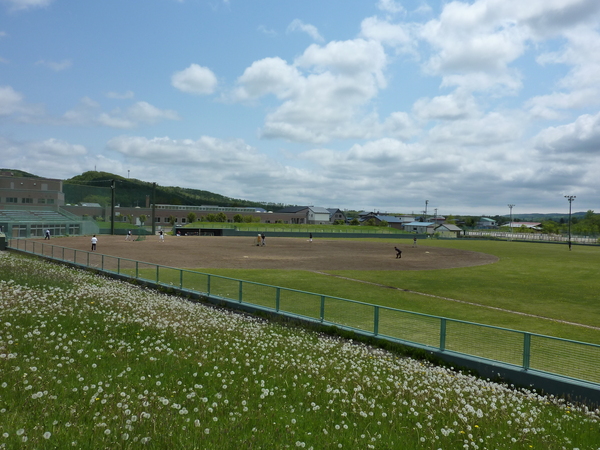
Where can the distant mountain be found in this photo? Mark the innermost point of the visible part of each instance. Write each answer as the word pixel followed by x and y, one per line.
pixel 537 217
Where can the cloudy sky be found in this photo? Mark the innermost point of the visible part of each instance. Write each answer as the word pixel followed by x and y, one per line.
pixel 358 104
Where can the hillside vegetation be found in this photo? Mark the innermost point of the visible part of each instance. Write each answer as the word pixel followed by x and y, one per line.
pixel 94 187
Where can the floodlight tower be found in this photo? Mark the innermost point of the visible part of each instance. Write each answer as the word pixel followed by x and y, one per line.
pixel 112 207
pixel 510 206
pixel 426 203
pixel 570 199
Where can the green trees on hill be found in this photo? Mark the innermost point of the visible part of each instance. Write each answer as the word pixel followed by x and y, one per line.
pixel 95 187
pixel 589 225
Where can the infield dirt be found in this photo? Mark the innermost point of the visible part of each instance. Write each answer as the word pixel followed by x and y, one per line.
pixel 198 252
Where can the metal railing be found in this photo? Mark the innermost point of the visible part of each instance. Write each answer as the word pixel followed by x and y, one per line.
pixel 527 351
pixel 299 228
pixel 532 236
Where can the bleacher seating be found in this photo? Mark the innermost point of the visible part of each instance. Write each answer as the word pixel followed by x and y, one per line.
pixel 32 216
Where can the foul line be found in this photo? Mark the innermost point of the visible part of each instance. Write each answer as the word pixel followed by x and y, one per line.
pixel 461 301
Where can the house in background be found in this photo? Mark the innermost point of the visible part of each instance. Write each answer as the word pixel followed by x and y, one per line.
pixel 448 230
pixel 486 222
pixel 314 215
pixel 336 214
pixel 393 221
pixel 419 227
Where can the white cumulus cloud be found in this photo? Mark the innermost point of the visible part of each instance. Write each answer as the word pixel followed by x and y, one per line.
pixel 311 30
pixel 195 80
pixel 580 137
pixel 11 101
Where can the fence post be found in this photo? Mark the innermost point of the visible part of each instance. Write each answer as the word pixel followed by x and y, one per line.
pixel 442 334
pixel 157 275
pixel 208 285
pixel 118 266
pixel 240 295
pixel 180 279
pixel 88 259
pixel 322 308
pixel 277 298
pixel 376 321
pixel 137 271
pixel 526 350
pixel 63 254
pixel 102 261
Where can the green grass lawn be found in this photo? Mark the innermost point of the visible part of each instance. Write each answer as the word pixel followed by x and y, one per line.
pixel 535 279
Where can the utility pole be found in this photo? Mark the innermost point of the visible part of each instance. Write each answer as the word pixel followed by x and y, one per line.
pixel 570 199
pixel 511 221
pixel 153 208
pixel 426 203
pixel 112 207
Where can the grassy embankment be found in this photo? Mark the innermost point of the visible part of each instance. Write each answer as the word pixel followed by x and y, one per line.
pixel 91 363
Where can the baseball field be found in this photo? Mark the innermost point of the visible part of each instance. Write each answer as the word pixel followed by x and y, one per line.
pixel 540 288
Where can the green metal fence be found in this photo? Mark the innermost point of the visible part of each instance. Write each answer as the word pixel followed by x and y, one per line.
pixel 305 229
pixel 527 351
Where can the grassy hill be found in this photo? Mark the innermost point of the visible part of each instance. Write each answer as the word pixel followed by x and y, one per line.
pixel 19 173
pixel 94 187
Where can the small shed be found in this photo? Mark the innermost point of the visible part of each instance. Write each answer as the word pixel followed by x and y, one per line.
pixel 537 226
pixel 448 230
pixel 419 227
pixel 486 222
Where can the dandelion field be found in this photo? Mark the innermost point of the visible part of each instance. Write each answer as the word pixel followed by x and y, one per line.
pixel 88 362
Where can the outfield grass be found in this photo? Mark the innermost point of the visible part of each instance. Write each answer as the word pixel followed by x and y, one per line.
pixel 543 280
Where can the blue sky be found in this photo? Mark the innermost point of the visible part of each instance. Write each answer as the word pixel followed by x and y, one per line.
pixel 374 105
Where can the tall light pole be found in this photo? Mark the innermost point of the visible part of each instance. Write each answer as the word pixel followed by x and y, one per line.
pixel 112 207
pixel 426 203
pixel 511 220
pixel 570 199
